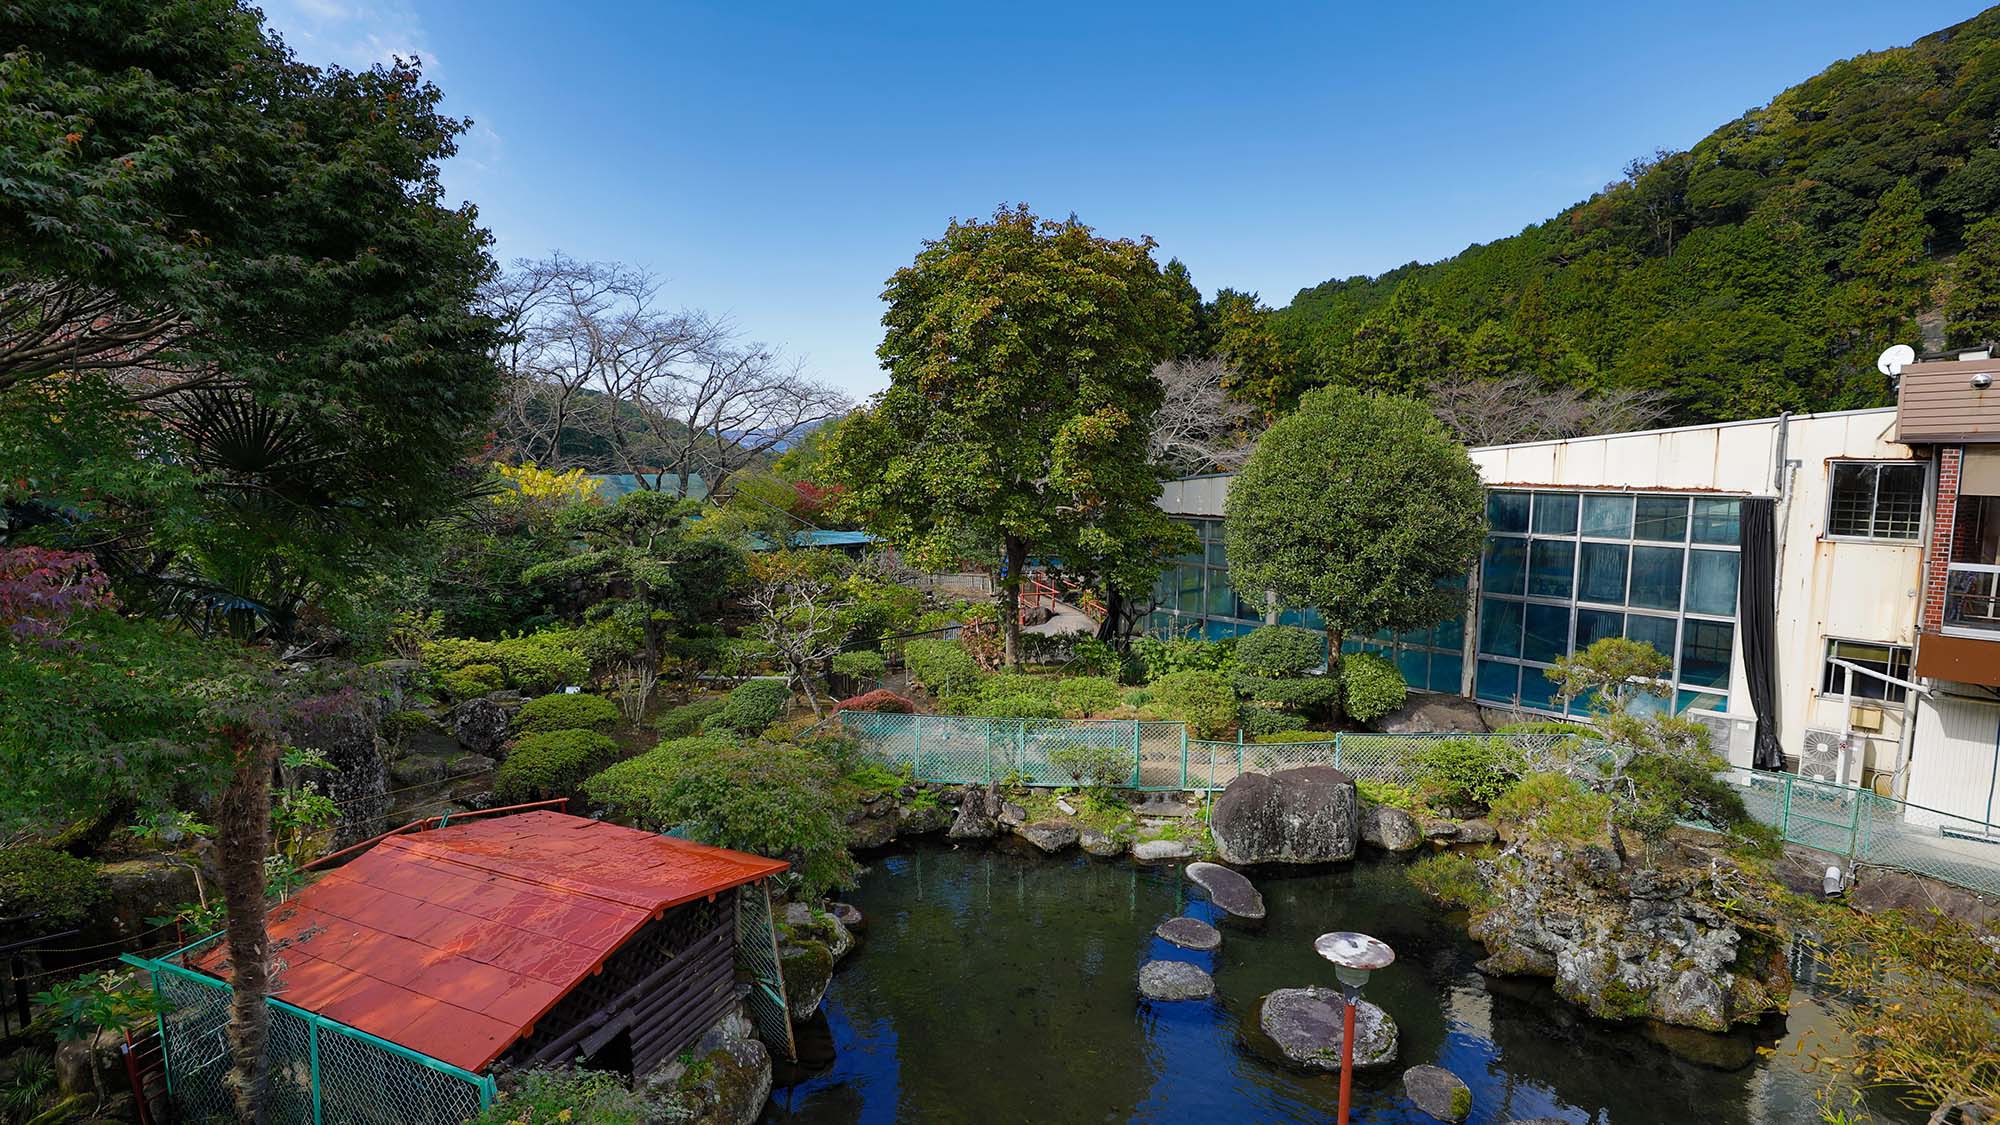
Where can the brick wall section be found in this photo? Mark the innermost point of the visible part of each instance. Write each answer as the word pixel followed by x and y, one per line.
pixel 1944 519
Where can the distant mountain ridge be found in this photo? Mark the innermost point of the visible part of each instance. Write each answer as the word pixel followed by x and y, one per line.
pixel 1761 270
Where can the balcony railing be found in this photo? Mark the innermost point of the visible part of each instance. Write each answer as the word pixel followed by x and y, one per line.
pixel 1972 598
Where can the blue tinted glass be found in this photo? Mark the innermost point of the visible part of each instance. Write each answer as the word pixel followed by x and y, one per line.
pixel 1555 513
pixel 1662 518
pixel 1705 653
pixel 1506 569
pixel 1656 577
pixel 1655 631
pixel 1712 583
pixel 1547 633
pixel 1415 665
pixel 1701 701
pixel 1221 599
pixel 1447 673
pixel 1644 704
pixel 1498 683
pixel 1216 556
pixel 1538 691
pixel 1415 637
pixel 1593 625
pixel 1507 511
pixel 1607 517
pixel 1449 634
pixel 1715 521
pixel 1350 645
pixel 1551 565
pixel 1602 575
pixel 1499 627
pixel 1219 630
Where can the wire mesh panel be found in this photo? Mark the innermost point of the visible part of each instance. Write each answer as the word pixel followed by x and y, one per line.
pixel 757 953
pixel 195 1031
pixel 364 1082
pixel 1061 751
pixel 1163 756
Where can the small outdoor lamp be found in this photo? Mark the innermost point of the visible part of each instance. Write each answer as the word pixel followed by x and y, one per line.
pixel 1354 956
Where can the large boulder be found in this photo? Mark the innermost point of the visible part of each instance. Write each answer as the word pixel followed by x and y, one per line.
pixel 807 969
pixel 1190 933
pixel 1306 1025
pixel 978 817
pixel 723 1079
pixel 1228 890
pixel 1051 836
pixel 480 725
pixel 1390 828
pixel 345 728
pixel 870 829
pixel 1304 815
pixel 1438 1092
pixel 922 817
pixel 1101 844
pixel 1426 713
pixel 1174 980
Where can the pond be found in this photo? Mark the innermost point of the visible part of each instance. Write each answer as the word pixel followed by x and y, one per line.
pixel 997 985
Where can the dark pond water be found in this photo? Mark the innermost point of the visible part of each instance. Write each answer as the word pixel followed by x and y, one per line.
pixel 997 986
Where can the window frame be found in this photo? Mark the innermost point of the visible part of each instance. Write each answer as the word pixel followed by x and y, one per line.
pixel 1907 654
pixel 1876 465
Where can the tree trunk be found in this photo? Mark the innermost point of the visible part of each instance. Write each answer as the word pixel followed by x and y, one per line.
pixel 243 840
pixel 1335 635
pixel 1010 600
pixel 1112 629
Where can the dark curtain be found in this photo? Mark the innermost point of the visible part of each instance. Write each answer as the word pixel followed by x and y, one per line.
pixel 1757 616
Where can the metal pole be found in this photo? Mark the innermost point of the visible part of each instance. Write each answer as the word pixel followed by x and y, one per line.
pixel 1346 1058
pixel 312 1038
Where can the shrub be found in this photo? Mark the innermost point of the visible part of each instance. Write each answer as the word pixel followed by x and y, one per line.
pixel 472 680
pixel 679 722
pixel 1087 695
pixel 1092 657
pixel 1276 651
pixel 1100 767
pixel 1296 736
pixel 551 764
pixel 586 1097
pixel 56 888
pixel 1159 658
pixel 1021 706
pixel 1547 726
pixel 1388 793
pixel 1202 700
pixel 754 705
pixel 544 660
pixel 566 712
pixel 881 701
pixel 764 798
pixel 458 652
pixel 1257 721
pixel 1453 879
pixel 1462 772
pixel 1553 806
pixel 1373 685
pixel 941 667
pixel 863 664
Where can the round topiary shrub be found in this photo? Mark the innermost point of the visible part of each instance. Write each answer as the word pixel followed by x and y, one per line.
pixel 754 705
pixel 551 764
pixel 1373 685
pixel 1202 700
pixel 862 664
pixel 881 701
pixel 941 667
pixel 679 722
pixel 54 888
pixel 1257 721
pixel 472 681
pixel 1280 650
pixel 566 712
pixel 1081 696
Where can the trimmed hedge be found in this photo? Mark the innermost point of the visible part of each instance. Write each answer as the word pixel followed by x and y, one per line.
pixel 472 680
pixel 679 722
pixel 566 712
pixel 1280 650
pixel 861 664
pixel 881 701
pixel 551 764
pixel 1374 686
pixel 941 667
pixel 1083 696
pixel 754 705
pixel 1202 700
pixel 56 888
pixel 1257 721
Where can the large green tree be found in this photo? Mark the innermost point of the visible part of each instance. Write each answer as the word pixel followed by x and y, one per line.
pixel 1358 506
pixel 1972 312
pixel 1020 355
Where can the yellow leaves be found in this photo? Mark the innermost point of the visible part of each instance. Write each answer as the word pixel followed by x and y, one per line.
pixel 544 489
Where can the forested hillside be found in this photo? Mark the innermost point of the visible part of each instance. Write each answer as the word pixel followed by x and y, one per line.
pixel 1762 270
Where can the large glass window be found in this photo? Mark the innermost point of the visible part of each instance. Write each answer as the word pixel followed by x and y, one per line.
pixel 1551 563
pixel 1607 517
pixel 1603 577
pixel 1876 500
pixel 1890 660
pixel 1506 565
pixel 1656 577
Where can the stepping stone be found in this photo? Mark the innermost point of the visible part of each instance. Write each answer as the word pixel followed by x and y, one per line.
pixel 1191 933
pixel 1306 1024
pixel 1228 890
pixel 1174 980
pixel 1160 851
pixel 848 913
pixel 1438 1092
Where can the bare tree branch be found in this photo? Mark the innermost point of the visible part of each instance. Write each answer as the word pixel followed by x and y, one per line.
pixel 1200 428
pixel 1516 408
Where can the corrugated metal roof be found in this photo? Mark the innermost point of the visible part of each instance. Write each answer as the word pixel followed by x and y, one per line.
pixel 815 538
pixel 453 942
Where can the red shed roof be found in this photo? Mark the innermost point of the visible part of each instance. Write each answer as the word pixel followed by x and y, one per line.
pixel 453 942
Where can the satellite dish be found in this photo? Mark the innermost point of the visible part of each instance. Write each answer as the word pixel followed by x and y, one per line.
pixel 1892 361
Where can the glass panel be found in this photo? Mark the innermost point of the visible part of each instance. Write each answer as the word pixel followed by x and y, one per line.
pixel 1498 683
pixel 1649 704
pixel 1507 511
pixel 1715 521
pixel 1581 704
pixel 1418 637
pixel 1499 627
pixel 1603 573
pixel 1216 556
pixel 1661 518
pixel 1221 599
pixel 1712 582
pixel 1853 499
pixel 1655 631
pixel 1705 653
pixel 1551 563
pixel 1447 673
pixel 1450 634
pixel 1506 565
pixel 1555 513
pixel 1703 701
pixel 1595 624
pixel 1899 502
pixel 1547 633
pixel 1887 659
pixel 1219 630
pixel 1656 577
pixel 1350 645
pixel 1415 665
pixel 1607 517
pixel 1538 691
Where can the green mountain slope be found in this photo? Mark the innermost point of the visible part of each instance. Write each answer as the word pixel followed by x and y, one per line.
pixel 1762 270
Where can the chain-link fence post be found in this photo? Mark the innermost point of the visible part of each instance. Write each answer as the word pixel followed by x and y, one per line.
pixel 1785 810
pixel 917 749
pixel 1336 749
pixel 312 1064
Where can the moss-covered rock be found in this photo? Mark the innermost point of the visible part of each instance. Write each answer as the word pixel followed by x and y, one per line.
pixel 807 967
pixel 54 888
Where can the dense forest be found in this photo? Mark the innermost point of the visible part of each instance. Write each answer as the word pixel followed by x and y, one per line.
pixel 1762 270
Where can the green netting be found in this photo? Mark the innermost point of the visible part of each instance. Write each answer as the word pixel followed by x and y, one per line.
pixel 757 953
pixel 321 1072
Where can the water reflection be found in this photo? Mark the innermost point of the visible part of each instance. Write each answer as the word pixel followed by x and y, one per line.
pixel 994 985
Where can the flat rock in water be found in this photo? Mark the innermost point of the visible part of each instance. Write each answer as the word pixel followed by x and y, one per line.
pixel 1174 980
pixel 1190 933
pixel 1306 1023
pixel 849 914
pixel 1228 890
pixel 1101 843
pixel 1049 835
pixel 1160 851
pixel 1438 1092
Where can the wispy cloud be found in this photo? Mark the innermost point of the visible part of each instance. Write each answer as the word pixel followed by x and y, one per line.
pixel 352 33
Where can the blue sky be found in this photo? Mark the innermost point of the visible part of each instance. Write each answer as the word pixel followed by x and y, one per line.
pixel 775 162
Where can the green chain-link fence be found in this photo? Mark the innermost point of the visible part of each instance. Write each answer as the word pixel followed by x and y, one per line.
pixel 1871 829
pixel 757 954
pixel 322 1072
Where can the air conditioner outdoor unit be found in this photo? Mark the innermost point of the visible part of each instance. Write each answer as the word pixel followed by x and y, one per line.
pixel 1730 737
pixel 1865 716
pixel 1823 756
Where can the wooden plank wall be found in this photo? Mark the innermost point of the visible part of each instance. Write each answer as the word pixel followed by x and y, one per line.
pixel 1937 402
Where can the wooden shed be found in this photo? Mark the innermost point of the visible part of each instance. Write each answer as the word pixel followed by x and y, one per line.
pixel 523 939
